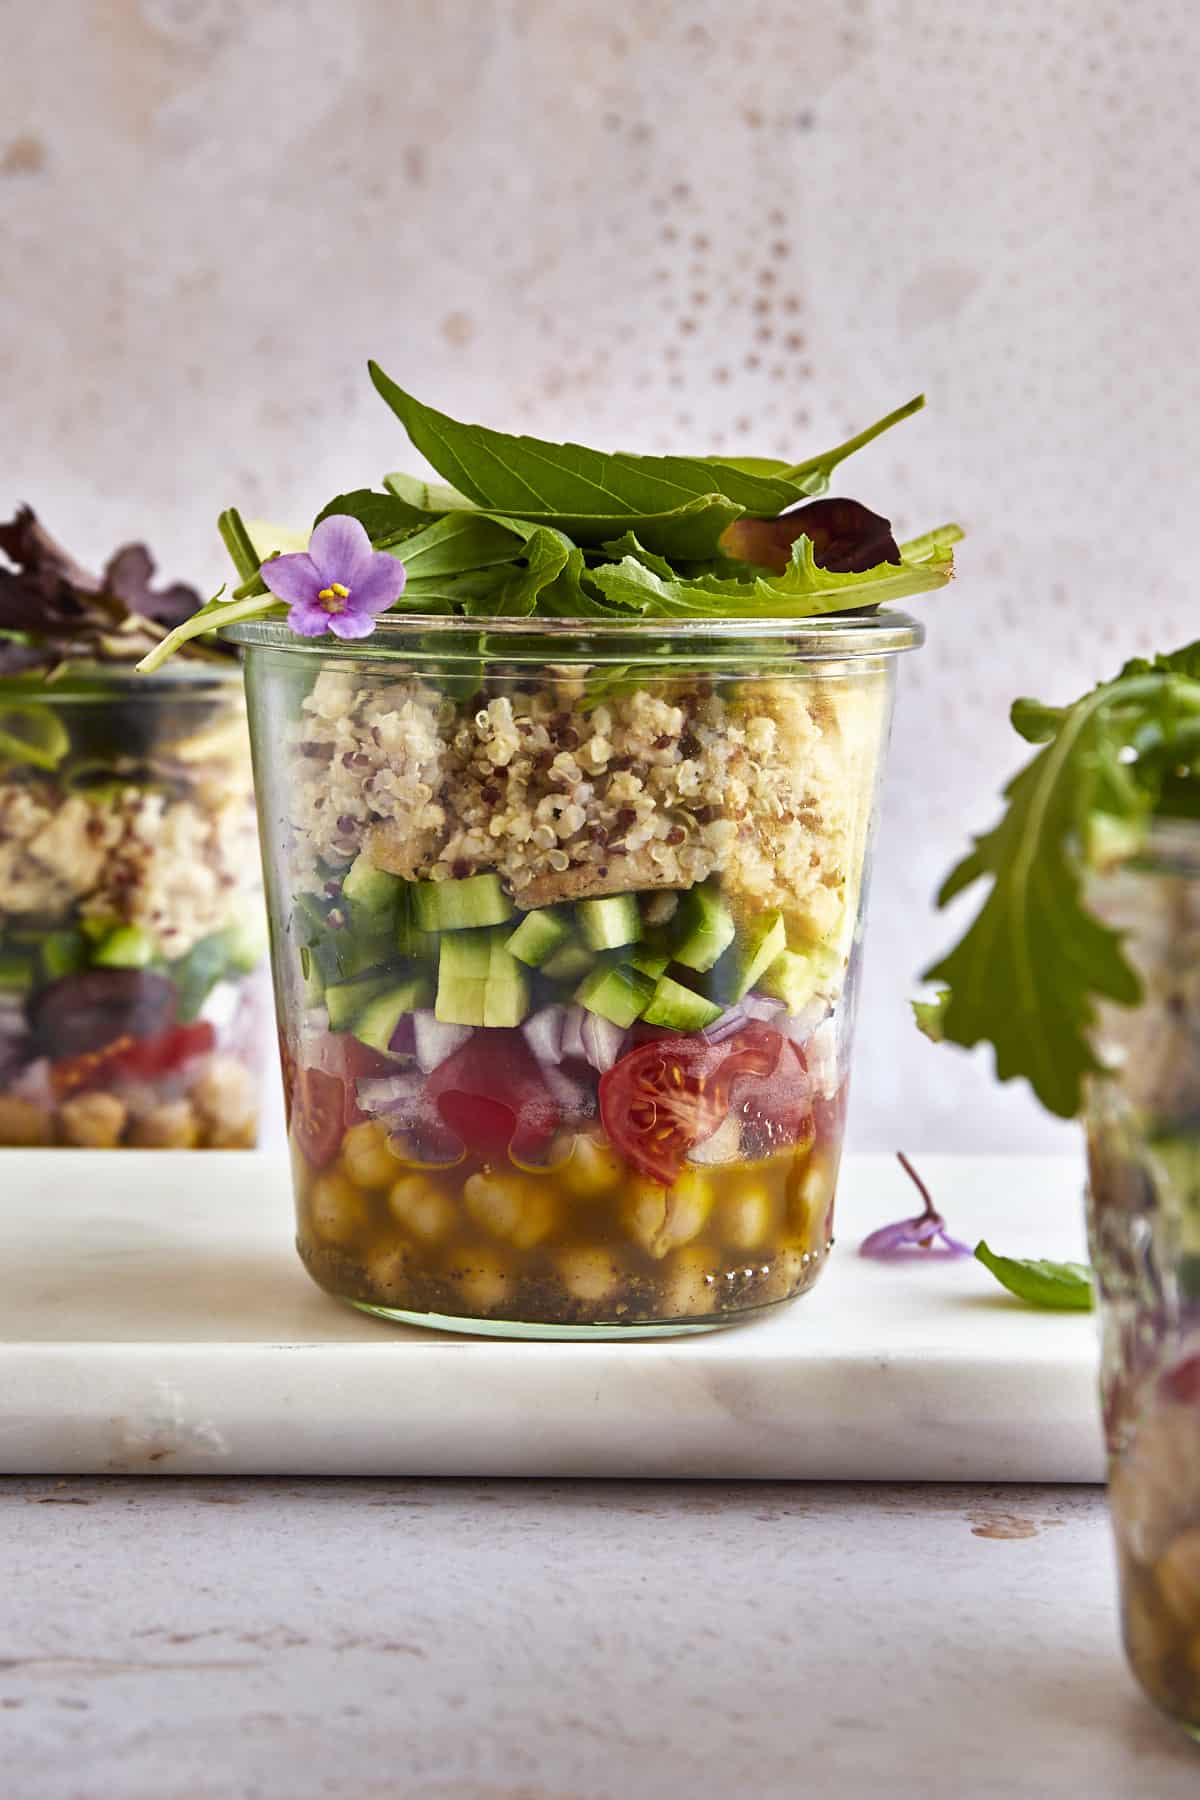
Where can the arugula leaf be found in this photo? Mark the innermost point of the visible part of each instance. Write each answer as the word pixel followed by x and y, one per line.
pixel 546 556
pixel 455 544
pixel 1029 970
pixel 380 515
pixel 1055 1286
pixel 590 494
pixel 803 591
pixel 930 1015
pixel 427 499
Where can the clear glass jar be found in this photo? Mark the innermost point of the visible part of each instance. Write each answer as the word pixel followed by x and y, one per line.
pixel 1144 1217
pixel 132 926
pixel 565 924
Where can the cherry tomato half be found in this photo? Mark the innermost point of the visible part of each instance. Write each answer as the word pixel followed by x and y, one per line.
pixel 673 1092
pixel 317 1104
pixel 161 1055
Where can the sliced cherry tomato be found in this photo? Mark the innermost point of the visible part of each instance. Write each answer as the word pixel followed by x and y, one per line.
pixel 161 1055
pixel 317 1106
pixel 673 1092
pixel 76 1074
pixel 491 1094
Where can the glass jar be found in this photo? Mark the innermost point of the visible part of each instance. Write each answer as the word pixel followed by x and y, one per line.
pixel 132 926
pixel 1144 1185
pixel 565 925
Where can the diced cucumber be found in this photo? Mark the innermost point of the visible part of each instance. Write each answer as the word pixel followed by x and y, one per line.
pixel 461 905
pixel 314 981
pixel 369 889
pixel 345 1000
pixel 245 944
pixel 616 993
pixel 538 936
pixel 308 913
pixel 753 951
pixel 480 982
pixel 16 972
pixel 465 956
pixel 377 1022
pixel 702 928
pixel 609 923
pixel 63 953
pixel 650 962
pixel 506 995
pixel 128 947
pixel 96 930
pixel 678 1008
pixel 792 978
pixel 411 940
pixel 569 963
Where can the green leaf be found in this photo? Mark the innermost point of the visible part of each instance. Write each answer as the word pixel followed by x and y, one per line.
pixel 1057 1286
pixel 803 591
pixel 455 544
pixel 930 1015
pixel 237 540
pixel 546 556
pixel 426 499
pixel 381 515
pixel 1026 975
pixel 630 545
pixel 680 504
pixel 216 613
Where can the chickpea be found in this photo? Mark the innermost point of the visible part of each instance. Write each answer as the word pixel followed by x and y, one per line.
pixel 93 1121
pixel 336 1209
pixel 173 1125
pixel 366 1156
pixel 226 1097
pixel 692 1286
pixel 23 1124
pixel 661 1219
pixel 813 1197
pixel 588 1273
pixel 746 1217
pixel 389 1272
pixel 519 1212
pixel 1177 1573
pixel 421 1208
pixel 591 1169
pixel 484 1282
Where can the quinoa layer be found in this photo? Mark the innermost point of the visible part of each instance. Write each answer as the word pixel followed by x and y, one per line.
pixel 769 784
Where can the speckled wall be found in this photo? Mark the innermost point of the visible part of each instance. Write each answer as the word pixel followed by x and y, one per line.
pixel 747 225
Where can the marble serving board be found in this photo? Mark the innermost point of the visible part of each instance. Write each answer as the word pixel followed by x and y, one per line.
pixel 154 1317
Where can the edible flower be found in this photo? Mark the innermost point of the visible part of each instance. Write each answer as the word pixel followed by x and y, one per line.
pixel 927 1232
pixel 338 584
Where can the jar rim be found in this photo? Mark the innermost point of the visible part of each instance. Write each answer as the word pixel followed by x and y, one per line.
pixel 93 680
pixel 834 636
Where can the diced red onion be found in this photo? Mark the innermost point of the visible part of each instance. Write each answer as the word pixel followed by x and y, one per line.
pixel 403 1041
pixel 33 1083
pixel 543 1032
pixel 731 1020
pixel 762 1007
pixel 389 1093
pixel 433 1041
pixel 602 1041
pixel 221 1006
pixel 821 1058
pixel 572 1039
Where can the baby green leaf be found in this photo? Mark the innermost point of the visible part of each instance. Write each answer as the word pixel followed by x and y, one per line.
pixel 216 613
pixel 1029 970
pixel 592 495
pixel 802 591
pixel 1057 1286
pixel 930 1016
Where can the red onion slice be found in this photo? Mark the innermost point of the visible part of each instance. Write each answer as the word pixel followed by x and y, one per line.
pixel 572 1040
pixel 731 1020
pixel 602 1041
pixel 389 1093
pixel 543 1032
pixel 433 1041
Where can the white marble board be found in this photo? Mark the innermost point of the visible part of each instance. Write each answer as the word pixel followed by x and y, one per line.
pixel 153 1317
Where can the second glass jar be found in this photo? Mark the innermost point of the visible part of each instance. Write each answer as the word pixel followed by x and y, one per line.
pixel 565 926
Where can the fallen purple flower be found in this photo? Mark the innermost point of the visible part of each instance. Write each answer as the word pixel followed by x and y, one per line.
pixel 339 583
pixel 926 1233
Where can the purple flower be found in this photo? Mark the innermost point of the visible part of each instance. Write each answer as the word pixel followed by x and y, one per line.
pixel 922 1233
pixel 339 583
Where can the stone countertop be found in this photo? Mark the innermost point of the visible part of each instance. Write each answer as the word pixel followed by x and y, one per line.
pixel 228 1639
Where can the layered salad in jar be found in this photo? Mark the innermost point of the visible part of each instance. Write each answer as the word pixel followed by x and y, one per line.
pixel 1083 970
pixel 565 892
pixel 131 913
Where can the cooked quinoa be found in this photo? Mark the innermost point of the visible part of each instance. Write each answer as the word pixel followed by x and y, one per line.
pixel 139 856
pixel 766 783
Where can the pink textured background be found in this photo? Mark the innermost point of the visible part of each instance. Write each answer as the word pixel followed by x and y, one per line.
pixel 750 225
